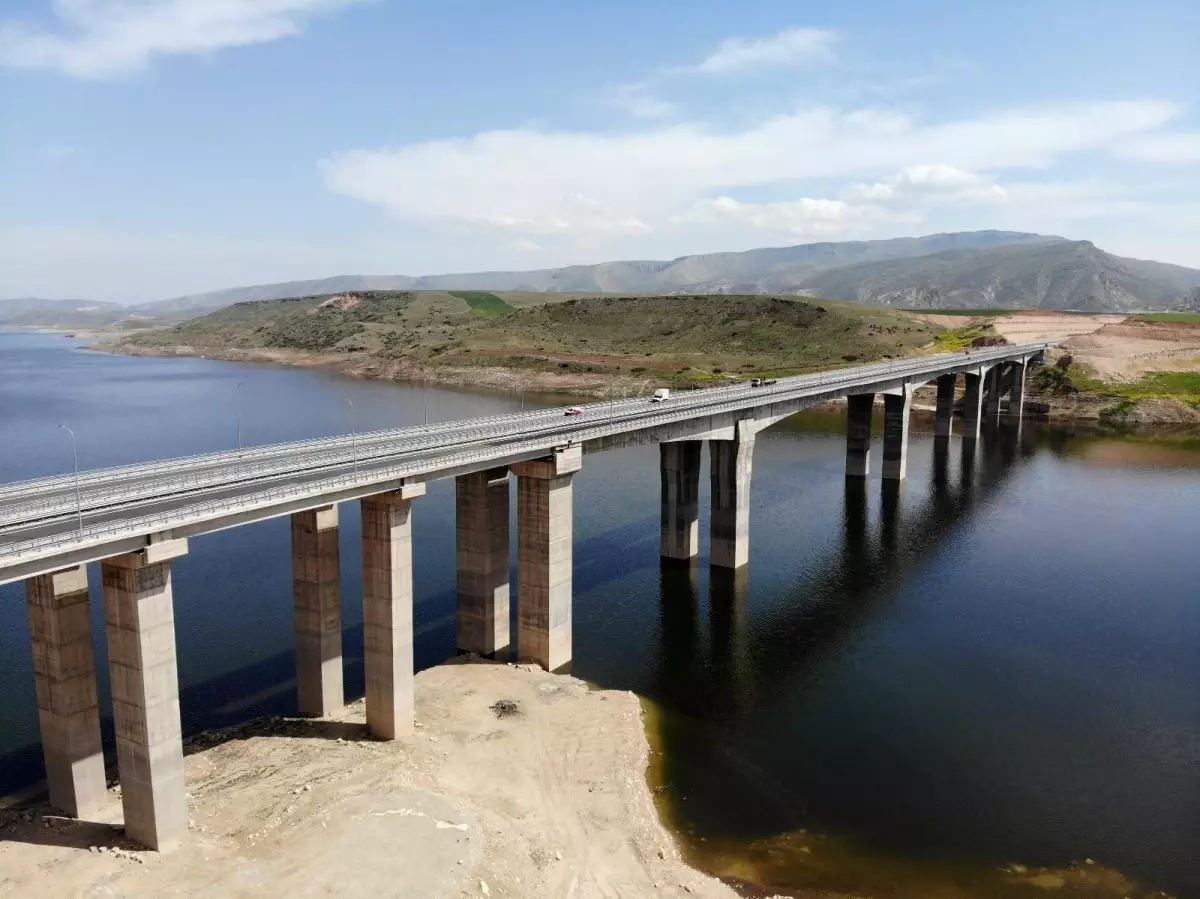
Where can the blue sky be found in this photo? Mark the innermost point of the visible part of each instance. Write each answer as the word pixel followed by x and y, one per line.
pixel 152 148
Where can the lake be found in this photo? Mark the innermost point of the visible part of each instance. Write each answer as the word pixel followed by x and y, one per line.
pixel 902 694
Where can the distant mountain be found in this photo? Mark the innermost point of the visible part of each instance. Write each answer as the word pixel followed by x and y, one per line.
pixel 969 269
pixel 745 272
pixel 1057 275
pixel 33 312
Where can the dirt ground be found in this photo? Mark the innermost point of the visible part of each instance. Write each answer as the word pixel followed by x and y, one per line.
pixel 550 801
pixel 1022 327
pixel 1123 351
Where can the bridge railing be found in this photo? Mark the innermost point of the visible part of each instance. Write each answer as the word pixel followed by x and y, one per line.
pixel 372 472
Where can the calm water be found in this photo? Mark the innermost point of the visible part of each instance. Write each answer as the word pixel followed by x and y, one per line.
pixel 902 693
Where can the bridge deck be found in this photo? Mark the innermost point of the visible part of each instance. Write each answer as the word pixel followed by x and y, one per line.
pixel 122 508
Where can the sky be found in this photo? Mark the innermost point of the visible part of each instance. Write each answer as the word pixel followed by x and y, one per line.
pixel 155 148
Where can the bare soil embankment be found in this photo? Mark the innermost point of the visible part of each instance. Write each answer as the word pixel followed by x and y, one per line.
pixel 549 801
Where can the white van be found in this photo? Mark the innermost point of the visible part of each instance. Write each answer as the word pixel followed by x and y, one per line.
pixel 661 394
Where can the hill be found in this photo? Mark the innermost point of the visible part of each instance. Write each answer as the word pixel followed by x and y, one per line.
pixel 32 312
pixel 752 271
pixel 971 269
pixel 1058 275
pixel 677 337
pixel 944 271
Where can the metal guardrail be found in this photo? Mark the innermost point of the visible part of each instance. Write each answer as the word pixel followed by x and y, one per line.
pixel 712 401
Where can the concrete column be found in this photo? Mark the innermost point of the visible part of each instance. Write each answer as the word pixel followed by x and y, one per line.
pixel 1016 396
pixel 545 557
pixel 387 610
pixel 896 411
pixel 944 417
pixel 972 406
pixel 481 505
pixel 730 465
pixel 317 611
pixel 64 671
pixel 140 622
pixel 679 467
pixel 992 399
pixel 858 434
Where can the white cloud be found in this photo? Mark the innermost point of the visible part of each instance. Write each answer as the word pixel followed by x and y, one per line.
pixel 106 38
pixel 1164 148
pixel 944 181
pixel 793 48
pixel 574 185
pixel 806 217
pixel 637 100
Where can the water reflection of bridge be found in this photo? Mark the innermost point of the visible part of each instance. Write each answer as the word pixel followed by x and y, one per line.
pixel 725 688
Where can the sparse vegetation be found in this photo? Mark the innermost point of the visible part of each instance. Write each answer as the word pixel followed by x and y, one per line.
pixel 1068 377
pixel 955 340
pixel 676 339
pixel 1191 318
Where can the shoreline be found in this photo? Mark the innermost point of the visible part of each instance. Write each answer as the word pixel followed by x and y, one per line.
pixel 544 801
pixel 1084 409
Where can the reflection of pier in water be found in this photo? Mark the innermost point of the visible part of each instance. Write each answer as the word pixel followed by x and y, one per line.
pixel 747 669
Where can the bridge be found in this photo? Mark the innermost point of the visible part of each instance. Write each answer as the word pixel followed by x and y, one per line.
pixel 136 520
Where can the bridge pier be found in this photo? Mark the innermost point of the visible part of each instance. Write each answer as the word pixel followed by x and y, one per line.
pixel 1016 395
pixel 944 416
pixel 388 610
pixel 679 469
pixel 896 412
pixel 140 619
pixel 991 402
pixel 317 612
pixel 972 406
pixel 64 670
pixel 545 526
pixel 481 533
pixel 860 407
pixel 730 466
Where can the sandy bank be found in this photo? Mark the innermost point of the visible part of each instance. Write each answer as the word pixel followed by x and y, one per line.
pixel 550 801
pixel 475 377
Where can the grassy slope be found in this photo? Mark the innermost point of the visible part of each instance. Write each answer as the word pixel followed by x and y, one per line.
pixel 693 337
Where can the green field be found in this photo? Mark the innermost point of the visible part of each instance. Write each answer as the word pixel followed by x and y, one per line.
pixel 1192 318
pixel 483 304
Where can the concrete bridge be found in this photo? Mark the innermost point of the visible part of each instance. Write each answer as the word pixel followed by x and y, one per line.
pixel 136 520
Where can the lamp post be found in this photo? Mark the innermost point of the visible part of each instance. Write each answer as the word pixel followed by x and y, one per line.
pixel 78 493
pixel 425 399
pixel 238 402
pixel 353 434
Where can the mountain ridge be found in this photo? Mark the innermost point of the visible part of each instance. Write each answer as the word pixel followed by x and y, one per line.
pixel 951 270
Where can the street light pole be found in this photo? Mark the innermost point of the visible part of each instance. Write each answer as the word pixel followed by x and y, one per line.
pixel 238 402
pixel 353 435
pixel 78 493
pixel 425 399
